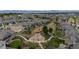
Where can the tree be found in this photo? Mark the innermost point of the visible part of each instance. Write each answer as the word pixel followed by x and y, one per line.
pixel 45 32
pixel 45 29
pixel 50 30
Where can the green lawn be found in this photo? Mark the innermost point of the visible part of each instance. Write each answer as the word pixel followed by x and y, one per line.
pixel 15 44
pixel 31 45
pixel 53 43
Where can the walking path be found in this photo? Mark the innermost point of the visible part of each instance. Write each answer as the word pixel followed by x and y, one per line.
pixel 39 42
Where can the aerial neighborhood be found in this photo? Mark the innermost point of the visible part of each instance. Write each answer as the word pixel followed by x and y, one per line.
pixel 39 30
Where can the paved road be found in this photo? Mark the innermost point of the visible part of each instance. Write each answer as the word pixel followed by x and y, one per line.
pixel 22 37
pixel 41 46
pixel 50 38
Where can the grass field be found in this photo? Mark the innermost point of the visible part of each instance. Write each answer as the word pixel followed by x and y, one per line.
pixel 53 43
pixel 15 44
pixel 32 45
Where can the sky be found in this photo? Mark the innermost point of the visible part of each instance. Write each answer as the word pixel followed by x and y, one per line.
pixel 39 5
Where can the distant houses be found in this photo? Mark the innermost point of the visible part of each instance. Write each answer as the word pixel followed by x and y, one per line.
pixel 16 28
pixel 31 27
pixel 5 34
